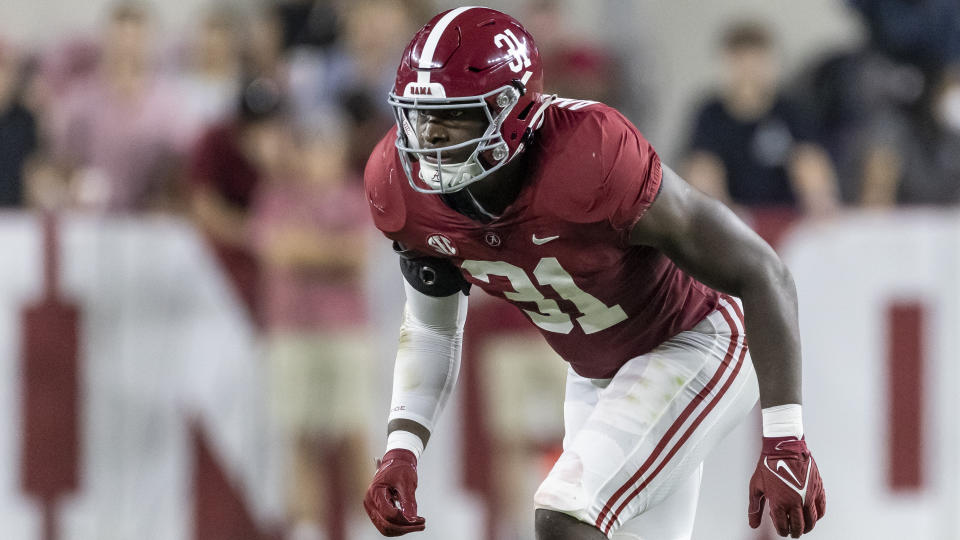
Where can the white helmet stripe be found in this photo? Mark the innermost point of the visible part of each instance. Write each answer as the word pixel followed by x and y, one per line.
pixel 430 46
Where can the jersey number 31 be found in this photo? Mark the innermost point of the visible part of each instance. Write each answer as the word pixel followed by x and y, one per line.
pixel 594 314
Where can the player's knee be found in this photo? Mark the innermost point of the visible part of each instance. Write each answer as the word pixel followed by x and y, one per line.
pixel 553 525
pixel 549 524
pixel 563 488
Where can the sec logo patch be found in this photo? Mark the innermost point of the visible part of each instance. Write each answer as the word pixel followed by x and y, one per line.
pixel 442 244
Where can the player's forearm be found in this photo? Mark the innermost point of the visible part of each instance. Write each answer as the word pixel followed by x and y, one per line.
pixel 711 244
pixel 428 362
pixel 770 310
pixel 426 369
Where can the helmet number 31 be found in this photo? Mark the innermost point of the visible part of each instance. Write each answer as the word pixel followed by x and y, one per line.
pixel 516 49
pixel 594 314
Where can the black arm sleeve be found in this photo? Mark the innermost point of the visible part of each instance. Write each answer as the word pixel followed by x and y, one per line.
pixel 432 276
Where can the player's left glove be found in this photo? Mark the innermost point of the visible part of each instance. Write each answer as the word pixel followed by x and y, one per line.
pixel 788 478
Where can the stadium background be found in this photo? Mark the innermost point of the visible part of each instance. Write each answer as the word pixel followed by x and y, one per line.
pixel 135 334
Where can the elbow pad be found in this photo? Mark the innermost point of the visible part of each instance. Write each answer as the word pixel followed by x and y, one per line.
pixel 428 355
pixel 431 276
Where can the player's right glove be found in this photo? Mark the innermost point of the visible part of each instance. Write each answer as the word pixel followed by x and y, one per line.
pixel 390 500
pixel 788 478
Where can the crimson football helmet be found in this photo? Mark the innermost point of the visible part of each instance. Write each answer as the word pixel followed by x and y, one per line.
pixel 468 57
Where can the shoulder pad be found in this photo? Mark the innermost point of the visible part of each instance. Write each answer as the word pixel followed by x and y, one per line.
pixel 383 180
pixel 591 162
pixel 570 164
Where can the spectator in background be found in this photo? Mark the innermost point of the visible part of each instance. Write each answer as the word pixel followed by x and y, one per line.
pixel 858 97
pixel 880 106
pixel 917 159
pixel 933 170
pixel 584 71
pixel 344 77
pixel 119 132
pixel 751 146
pixel 308 22
pixel 264 51
pixel 214 74
pixel 293 53
pixel 67 63
pixel 373 30
pixel 573 67
pixel 925 33
pixel 310 237
pixel 267 55
pixel 226 167
pixel 18 130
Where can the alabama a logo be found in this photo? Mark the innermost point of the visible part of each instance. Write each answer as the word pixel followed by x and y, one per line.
pixel 492 239
pixel 442 244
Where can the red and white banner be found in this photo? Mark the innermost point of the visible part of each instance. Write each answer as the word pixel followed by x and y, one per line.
pixel 131 393
pixel 881 329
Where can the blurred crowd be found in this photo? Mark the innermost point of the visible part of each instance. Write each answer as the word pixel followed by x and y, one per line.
pixel 876 126
pixel 132 121
pixel 256 126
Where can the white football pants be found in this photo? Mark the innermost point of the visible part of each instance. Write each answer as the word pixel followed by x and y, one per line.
pixel 634 444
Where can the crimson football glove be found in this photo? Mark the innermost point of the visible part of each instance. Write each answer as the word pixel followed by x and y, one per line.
pixel 390 500
pixel 788 478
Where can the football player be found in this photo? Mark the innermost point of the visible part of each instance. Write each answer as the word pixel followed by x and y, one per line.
pixel 645 286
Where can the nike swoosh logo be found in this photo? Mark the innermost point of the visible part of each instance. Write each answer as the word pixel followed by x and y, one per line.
pixel 544 240
pixel 781 464
pixel 803 488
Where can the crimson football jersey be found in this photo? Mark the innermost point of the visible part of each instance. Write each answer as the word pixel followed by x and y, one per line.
pixel 560 252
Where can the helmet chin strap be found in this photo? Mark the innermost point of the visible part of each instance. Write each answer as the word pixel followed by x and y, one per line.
pixel 478 206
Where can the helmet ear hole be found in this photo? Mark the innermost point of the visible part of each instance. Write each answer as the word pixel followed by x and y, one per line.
pixel 523 114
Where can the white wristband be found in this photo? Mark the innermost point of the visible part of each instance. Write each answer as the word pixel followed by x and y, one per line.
pixel 783 421
pixel 406 440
